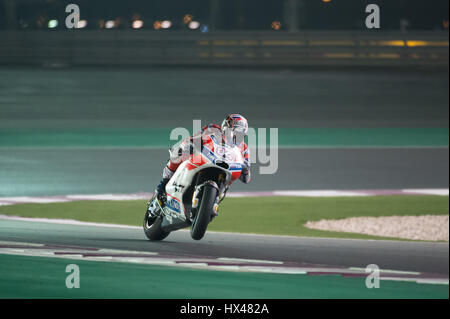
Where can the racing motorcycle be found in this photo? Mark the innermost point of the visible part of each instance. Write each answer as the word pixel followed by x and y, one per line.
pixel 194 191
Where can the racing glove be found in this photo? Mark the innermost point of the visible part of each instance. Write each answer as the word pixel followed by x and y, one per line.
pixel 245 174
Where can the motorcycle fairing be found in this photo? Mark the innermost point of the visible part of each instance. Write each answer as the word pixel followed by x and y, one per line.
pixel 178 216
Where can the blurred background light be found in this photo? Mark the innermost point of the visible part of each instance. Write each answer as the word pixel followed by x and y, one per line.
pixel 276 25
pixel 194 25
pixel 157 25
pixel 204 28
pixel 402 15
pixel 137 24
pixel 53 23
pixel 110 24
pixel 187 19
pixel 166 24
pixel 81 24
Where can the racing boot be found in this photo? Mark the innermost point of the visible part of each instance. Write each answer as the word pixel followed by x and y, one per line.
pixel 161 191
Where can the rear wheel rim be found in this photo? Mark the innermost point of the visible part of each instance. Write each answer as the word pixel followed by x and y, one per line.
pixel 152 219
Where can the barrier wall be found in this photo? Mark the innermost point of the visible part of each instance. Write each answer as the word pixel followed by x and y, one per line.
pixel 150 48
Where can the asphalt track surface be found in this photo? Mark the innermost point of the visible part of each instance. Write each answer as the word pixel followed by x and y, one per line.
pixel 389 255
pixel 41 172
pixel 36 100
pixel 172 97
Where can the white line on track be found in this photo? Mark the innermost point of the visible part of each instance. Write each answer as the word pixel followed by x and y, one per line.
pixel 441 192
pixel 28 199
pixel 249 260
pixel 319 193
pixel 4 201
pixel 389 271
pixel 89 224
pixel 66 222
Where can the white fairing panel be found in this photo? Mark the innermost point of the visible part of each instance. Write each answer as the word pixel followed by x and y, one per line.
pixel 179 183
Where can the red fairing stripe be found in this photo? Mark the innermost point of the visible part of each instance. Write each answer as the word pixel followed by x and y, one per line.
pixel 174 198
pixel 236 175
pixel 189 166
pixel 196 161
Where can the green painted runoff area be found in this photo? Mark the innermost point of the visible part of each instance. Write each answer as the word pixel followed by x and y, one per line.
pixel 45 277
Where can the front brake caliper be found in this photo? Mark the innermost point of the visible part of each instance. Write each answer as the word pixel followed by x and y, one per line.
pixel 195 199
pixel 216 207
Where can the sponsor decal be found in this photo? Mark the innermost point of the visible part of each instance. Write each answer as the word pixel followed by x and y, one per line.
pixel 173 204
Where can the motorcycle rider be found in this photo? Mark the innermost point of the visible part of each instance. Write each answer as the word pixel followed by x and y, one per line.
pixel 232 132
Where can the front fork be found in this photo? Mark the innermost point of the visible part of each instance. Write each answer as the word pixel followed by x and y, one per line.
pixel 154 206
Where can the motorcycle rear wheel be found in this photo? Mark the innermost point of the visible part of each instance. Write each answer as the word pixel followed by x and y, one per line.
pixel 152 228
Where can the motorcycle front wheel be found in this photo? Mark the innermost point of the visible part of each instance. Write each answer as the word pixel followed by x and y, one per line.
pixel 203 216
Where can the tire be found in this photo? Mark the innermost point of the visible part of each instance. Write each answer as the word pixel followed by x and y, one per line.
pixel 203 216
pixel 152 228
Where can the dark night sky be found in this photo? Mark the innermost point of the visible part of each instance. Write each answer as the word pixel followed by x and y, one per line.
pixel 249 14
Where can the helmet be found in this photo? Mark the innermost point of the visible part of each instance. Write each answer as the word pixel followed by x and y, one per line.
pixel 234 128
